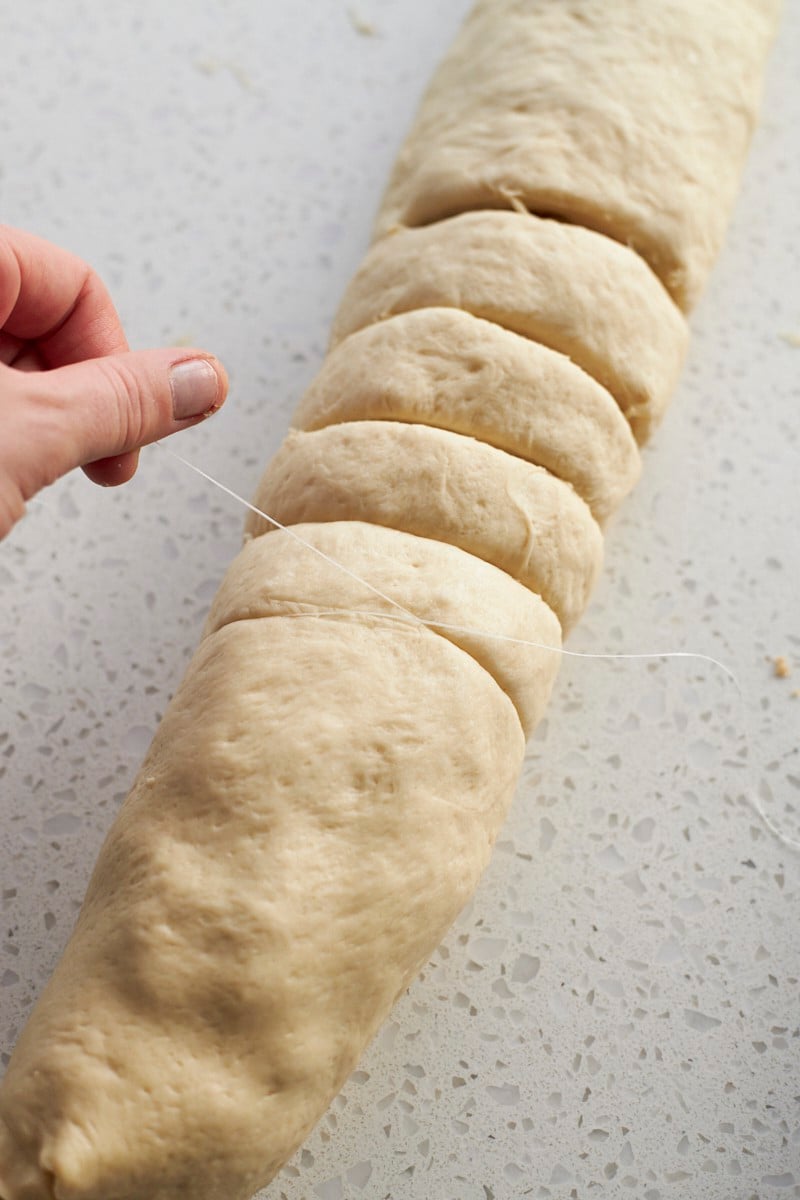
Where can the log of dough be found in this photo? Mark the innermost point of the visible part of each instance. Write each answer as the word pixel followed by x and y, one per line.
pixel 434 581
pixel 569 288
pixel 317 806
pixel 324 790
pixel 627 117
pixel 443 367
pixel 444 486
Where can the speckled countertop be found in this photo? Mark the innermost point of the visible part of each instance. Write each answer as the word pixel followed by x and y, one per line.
pixel 617 1013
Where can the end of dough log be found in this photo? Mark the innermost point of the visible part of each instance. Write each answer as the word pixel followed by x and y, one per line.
pixel 279 873
pixel 630 119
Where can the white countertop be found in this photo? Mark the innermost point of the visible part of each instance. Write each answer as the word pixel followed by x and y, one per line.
pixel 617 1013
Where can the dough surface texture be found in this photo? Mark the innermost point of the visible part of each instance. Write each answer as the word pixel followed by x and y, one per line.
pixel 444 367
pixel 206 1010
pixel 630 118
pixel 430 579
pixel 324 790
pixel 446 487
pixel 569 288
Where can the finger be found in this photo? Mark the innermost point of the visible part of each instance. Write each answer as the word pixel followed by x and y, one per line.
pixel 105 408
pixel 52 297
pixel 110 472
pixel 10 348
pixel 26 360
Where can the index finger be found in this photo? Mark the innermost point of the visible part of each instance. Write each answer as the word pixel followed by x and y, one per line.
pixel 53 298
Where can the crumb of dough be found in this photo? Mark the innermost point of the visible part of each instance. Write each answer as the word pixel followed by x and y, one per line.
pixel 792 339
pixel 211 66
pixel 242 78
pixel 781 666
pixel 360 23
pixel 796 694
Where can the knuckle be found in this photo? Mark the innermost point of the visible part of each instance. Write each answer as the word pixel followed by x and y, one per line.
pixel 129 402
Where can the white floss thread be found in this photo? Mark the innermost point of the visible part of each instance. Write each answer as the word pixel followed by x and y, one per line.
pixel 407 615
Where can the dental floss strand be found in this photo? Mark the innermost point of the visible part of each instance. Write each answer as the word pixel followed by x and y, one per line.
pixel 407 615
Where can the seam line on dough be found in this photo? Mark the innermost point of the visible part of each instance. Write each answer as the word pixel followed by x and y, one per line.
pixel 512 201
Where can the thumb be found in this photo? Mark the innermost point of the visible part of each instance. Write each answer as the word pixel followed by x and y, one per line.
pixel 100 409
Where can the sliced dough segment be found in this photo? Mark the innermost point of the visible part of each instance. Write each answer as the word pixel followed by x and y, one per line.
pixel 569 288
pixel 630 118
pixel 317 806
pixel 444 367
pixel 277 575
pixel 444 486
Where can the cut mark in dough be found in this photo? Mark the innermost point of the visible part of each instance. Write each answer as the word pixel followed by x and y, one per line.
pixel 448 369
pixel 631 119
pixel 572 290
pixel 276 576
pixel 446 487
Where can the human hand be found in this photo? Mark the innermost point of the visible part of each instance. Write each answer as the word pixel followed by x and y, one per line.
pixel 72 394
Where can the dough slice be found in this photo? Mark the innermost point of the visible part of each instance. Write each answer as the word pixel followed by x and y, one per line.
pixel 627 117
pixel 569 288
pixel 317 805
pixel 443 486
pixel 444 367
pixel 277 576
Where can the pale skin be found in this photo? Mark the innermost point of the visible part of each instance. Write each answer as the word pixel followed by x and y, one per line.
pixel 72 393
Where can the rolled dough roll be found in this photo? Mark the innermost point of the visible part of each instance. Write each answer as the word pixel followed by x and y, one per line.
pixel 444 367
pixel 628 117
pixel 569 288
pixel 444 486
pixel 324 790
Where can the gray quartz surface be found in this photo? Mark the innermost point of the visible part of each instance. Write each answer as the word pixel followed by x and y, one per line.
pixel 617 1012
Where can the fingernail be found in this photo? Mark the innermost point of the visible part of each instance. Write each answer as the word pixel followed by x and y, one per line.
pixel 195 388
